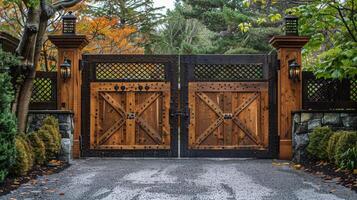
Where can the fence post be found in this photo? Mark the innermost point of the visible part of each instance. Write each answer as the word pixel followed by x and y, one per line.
pixel 69 89
pixel 289 91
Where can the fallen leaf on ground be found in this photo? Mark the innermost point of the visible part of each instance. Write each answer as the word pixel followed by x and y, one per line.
pixel 297 167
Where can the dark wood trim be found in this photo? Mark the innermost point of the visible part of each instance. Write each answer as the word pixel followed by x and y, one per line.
pixel 284 41
pixel 69 41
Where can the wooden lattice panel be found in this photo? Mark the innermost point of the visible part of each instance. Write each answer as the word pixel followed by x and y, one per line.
pixel 130 115
pixel 228 72
pixel 228 115
pixel 130 71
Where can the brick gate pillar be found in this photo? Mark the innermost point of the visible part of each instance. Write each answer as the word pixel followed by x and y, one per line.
pixel 289 91
pixel 69 90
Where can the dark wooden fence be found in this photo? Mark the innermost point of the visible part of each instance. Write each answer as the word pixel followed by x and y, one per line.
pixel 44 95
pixel 328 94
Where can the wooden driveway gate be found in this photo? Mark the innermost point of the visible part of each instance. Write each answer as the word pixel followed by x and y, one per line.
pixel 227 109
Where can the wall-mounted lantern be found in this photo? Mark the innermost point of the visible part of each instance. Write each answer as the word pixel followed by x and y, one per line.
pixel 291 25
pixel 294 71
pixel 65 69
pixel 69 23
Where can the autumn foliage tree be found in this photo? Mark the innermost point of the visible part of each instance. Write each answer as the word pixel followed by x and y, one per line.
pixel 107 35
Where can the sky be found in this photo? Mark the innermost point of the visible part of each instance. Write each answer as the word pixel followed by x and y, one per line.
pixel 169 4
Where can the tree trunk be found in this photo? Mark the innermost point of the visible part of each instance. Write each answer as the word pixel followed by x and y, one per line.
pixel 29 49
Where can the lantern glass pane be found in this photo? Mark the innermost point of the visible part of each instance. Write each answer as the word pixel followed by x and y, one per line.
pixel 291 26
pixel 69 26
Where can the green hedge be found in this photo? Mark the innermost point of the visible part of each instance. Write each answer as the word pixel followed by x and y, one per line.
pixel 318 142
pixel 38 147
pixel 8 127
pixel 338 147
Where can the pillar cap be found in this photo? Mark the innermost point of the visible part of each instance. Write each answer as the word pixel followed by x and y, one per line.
pixel 69 41
pixel 285 41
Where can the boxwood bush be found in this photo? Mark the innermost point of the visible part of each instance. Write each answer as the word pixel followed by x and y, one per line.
pixel 347 140
pixel 39 148
pixel 50 135
pixel 24 156
pixel 331 146
pixel 317 146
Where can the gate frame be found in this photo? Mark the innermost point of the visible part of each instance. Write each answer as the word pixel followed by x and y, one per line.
pixel 171 71
pixel 186 70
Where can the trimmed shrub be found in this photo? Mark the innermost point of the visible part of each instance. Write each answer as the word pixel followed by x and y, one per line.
pixel 331 146
pixel 50 124
pixel 348 160
pixel 318 141
pixel 346 141
pixel 39 148
pixel 48 140
pixel 24 156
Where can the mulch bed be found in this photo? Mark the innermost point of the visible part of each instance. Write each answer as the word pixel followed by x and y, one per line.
pixel 12 183
pixel 330 173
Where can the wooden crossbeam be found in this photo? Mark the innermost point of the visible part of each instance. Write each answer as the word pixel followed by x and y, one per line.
pixel 245 104
pixel 108 98
pixel 109 132
pixel 149 130
pixel 209 131
pixel 246 130
pixel 210 103
pixel 142 107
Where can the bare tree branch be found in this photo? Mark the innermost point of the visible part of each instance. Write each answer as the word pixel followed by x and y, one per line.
pixel 59 5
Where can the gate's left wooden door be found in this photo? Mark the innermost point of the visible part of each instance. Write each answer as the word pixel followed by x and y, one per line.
pixel 128 106
pixel 130 115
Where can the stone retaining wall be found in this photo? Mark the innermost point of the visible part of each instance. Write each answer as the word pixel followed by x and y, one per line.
pixel 305 121
pixel 65 120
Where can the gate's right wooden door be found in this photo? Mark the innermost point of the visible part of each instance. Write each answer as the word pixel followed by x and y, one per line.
pixel 228 115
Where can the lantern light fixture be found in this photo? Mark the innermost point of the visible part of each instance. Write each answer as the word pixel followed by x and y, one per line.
pixel 291 25
pixel 294 71
pixel 65 69
pixel 69 23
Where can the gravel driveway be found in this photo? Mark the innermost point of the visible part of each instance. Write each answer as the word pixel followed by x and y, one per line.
pixel 168 179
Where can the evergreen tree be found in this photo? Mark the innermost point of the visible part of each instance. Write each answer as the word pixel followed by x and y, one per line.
pixel 7 119
pixel 239 26
pixel 179 35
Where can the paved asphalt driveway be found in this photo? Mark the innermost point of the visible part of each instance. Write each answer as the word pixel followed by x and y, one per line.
pixel 180 179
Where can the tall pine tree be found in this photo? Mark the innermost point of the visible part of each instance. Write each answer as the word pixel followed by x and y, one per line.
pixel 239 26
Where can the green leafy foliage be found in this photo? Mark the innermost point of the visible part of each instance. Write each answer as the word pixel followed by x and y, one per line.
pixel 318 142
pixel 331 26
pixel 8 127
pixel 348 159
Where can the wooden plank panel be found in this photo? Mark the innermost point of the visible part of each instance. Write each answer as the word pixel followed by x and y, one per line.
pixel 228 122
pixel 130 123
